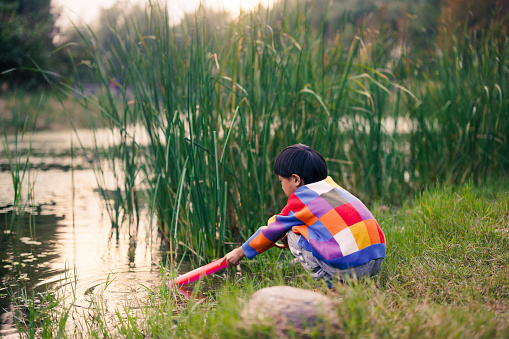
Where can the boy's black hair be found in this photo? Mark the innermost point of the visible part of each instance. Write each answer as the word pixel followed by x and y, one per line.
pixel 301 160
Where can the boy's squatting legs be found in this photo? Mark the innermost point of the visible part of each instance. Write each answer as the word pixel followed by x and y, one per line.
pixel 320 270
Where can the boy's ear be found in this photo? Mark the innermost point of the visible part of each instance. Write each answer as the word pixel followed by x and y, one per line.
pixel 297 180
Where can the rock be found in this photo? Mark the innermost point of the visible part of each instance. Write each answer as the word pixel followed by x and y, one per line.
pixel 291 310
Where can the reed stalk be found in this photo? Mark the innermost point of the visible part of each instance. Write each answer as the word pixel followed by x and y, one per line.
pixel 461 121
pixel 19 166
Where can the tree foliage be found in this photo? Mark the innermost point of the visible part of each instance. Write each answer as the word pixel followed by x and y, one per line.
pixel 27 29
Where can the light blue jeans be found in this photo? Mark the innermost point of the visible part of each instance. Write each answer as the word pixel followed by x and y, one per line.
pixel 321 270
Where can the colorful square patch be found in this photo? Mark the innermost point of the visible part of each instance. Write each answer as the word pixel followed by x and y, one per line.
pixel 347 195
pixel 333 222
pixel 363 211
pixel 320 187
pixel 349 214
pixel 318 206
pixel 334 199
pixel 346 241
pixel 361 235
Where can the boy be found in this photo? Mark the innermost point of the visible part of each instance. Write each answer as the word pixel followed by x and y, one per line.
pixel 330 231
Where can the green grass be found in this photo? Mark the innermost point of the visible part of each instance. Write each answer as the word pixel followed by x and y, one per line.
pixel 445 276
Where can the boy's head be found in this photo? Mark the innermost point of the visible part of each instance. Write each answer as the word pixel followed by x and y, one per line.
pixel 302 160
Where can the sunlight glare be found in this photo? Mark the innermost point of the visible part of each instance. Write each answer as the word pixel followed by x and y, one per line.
pixel 79 12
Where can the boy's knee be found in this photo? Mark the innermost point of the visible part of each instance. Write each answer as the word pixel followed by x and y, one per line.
pixel 368 269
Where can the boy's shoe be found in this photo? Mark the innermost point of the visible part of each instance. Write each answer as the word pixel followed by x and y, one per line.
pixel 334 294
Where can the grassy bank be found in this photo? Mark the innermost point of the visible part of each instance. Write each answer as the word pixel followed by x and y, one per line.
pixel 445 276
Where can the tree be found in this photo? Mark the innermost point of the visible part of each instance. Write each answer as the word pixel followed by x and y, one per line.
pixel 27 29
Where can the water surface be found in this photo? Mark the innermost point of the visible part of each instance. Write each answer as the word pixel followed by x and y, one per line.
pixel 65 229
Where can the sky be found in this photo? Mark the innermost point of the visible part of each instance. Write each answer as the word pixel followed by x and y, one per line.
pixel 80 11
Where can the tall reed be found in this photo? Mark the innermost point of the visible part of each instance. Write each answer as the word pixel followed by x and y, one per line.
pixel 461 121
pixel 198 112
pixel 202 112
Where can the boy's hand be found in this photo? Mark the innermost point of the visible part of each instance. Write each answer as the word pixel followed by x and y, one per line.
pixel 234 257
pixel 284 239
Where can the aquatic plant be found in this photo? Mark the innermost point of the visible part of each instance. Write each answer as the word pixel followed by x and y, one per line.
pixel 198 115
pixel 45 314
pixel 18 158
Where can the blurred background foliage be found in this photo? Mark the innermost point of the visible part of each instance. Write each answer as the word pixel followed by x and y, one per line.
pixel 30 39
pixel 27 32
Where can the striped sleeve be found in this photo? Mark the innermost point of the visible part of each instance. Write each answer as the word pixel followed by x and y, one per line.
pixel 265 237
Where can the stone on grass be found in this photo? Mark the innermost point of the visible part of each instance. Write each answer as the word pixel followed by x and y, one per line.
pixel 291 310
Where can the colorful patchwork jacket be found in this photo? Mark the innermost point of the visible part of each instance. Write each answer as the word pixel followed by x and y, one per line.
pixel 335 226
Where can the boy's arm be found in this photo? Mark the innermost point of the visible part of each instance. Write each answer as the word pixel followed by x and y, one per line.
pixel 266 236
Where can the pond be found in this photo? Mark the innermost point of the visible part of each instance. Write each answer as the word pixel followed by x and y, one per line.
pixel 66 228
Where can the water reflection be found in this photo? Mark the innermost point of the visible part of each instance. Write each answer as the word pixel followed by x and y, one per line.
pixel 24 261
pixel 192 294
pixel 67 229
